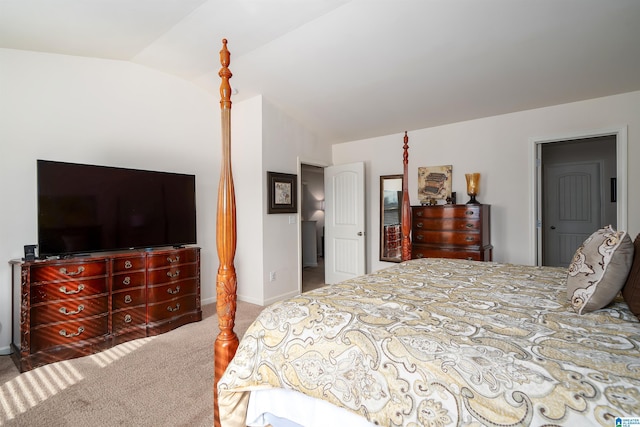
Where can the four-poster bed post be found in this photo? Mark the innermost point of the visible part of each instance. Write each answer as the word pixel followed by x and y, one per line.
pixel 406 205
pixel 226 343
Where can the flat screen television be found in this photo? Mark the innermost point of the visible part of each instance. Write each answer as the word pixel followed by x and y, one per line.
pixel 87 208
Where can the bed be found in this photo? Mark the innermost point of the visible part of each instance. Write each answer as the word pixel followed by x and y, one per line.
pixel 439 342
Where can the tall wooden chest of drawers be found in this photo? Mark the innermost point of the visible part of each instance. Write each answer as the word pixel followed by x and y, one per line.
pixel 66 308
pixel 451 231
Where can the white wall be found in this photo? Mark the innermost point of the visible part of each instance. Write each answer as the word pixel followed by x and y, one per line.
pixel 100 112
pixel 284 142
pixel 500 149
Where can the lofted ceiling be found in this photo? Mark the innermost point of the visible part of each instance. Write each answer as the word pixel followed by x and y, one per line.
pixel 354 69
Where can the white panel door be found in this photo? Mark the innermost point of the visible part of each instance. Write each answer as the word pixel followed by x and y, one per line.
pixel 344 222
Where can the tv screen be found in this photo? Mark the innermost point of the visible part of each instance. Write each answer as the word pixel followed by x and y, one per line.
pixel 88 208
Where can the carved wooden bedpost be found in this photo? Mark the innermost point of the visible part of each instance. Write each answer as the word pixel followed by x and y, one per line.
pixel 226 286
pixel 406 204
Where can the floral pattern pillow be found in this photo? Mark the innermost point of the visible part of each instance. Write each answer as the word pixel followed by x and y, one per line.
pixel 599 269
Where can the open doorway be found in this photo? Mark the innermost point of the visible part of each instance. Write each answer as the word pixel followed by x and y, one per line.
pixel 312 226
pixel 581 187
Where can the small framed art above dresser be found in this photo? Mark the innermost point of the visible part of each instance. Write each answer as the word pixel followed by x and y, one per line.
pixel 451 231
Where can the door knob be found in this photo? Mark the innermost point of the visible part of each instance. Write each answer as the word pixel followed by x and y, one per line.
pixel 359 233
pixel 553 227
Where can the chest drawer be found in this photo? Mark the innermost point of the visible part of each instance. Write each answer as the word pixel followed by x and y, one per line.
pixel 172 274
pixel 128 280
pixel 121 265
pixel 172 290
pixel 128 298
pixel 130 317
pixel 64 333
pixel 183 256
pixel 173 308
pixel 72 309
pixel 446 212
pixel 447 238
pixel 483 254
pixel 67 271
pixel 68 290
pixel 455 224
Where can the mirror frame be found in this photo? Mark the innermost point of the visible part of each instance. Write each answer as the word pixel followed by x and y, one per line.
pixel 383 256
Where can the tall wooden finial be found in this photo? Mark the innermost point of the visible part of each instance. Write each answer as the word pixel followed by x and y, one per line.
pixel 406 204
pixel 226 286
pixel 225 75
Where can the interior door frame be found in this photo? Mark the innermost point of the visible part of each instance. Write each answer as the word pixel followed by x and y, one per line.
pixel 536 181
pixel 302 161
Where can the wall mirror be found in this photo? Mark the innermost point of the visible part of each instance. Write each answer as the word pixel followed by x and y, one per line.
pixel 390 218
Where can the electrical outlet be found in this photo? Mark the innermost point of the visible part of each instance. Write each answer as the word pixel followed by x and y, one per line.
pixel 272 276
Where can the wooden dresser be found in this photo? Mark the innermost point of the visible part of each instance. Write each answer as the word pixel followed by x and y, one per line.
pixel 79 306
pixel 451 231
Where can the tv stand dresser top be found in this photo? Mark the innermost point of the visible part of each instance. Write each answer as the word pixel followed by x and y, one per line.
pixel 71 307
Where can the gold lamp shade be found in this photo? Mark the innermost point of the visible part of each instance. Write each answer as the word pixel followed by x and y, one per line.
pixel 473 187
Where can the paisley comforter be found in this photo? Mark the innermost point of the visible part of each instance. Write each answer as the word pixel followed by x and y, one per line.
pixel 442 342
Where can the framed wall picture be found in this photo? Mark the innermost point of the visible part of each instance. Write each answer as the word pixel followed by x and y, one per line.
pixel 434 182
pixel 283 194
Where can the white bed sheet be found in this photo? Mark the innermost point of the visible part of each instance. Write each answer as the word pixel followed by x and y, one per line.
pixel 287 408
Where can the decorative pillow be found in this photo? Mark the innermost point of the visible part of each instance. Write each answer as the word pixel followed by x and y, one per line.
pixel 631 290
pixel 599 269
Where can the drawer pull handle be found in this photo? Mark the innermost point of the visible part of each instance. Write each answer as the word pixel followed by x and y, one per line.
pixel 470 239
pixel 176 308
pixel 418 225
pixel 468 213
pixel 127 264
pixel 469 225
pixel 127 318
pixel 71 273
pixel 172 274
pixel 419 256
pixel 63 310
pixel 65 334
pixel 126 281
pixel 419 213
pixel 64 290
pixel 418 237
pixel 127 299
pixel 172 291
pixel 172 260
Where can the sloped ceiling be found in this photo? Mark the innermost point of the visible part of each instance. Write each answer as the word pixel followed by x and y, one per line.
pixel 353 69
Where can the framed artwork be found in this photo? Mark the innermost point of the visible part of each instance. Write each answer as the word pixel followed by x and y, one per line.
pixel 282 193
pixel 434 183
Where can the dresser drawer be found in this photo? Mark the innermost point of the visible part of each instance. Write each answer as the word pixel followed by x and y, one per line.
pixel 183 256
pixel 66 271
pixel 173 308
pixel 429 252
pixel 68 290
pixel 73 309
pixel 172 274
pixel 130 317
pixel 128 264
pixel 446 211
pixel 47 336
pixel 447 237
pixel 128 280
pixel 128 298
pixel 448 224
pixel 172 290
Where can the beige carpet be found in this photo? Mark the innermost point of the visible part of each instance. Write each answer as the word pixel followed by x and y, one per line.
pixel 165 380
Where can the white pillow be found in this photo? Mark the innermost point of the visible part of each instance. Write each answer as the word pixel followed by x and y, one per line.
pixel 599 269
